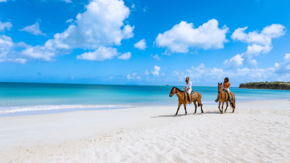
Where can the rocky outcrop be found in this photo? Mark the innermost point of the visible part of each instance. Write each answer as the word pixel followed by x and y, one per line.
pixel 266 85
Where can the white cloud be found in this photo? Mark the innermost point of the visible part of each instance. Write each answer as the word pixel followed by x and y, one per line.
pixel 69 20
pixel 156 57
pixel 33 29
pixel 234 62
pixel 213 75
pixel 146 72
pixel 38 52
pixel 287 57
pixel 259 42
pixel 141 44
pixel 100 54
pixel 184 36
pixel 257 49
pixel 6 25
pixel 133 76
pixel 3 1
pixel 133 6
pixel 125 56
pixel 7 53
pixel 156 71
pixel 284 66
pixel 101 25
pixel 67 1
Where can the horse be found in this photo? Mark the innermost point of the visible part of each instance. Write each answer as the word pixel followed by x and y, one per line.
pixel 222 99
pixel 196 97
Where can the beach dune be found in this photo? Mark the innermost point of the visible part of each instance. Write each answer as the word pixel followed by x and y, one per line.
pixel 256 132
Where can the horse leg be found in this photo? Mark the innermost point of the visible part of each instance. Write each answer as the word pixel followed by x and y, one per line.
pixel 200 104
pixel 177 109
pixel 226 106
pixel 223 107
pixel 185 108
pixel 234 102
pixel 220 106
pixel 194 102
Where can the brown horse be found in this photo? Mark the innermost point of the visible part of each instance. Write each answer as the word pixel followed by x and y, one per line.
pixel 222 98
pixel 196 97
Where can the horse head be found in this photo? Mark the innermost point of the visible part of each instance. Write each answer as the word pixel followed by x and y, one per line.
pixel 220 87
pixel 172 92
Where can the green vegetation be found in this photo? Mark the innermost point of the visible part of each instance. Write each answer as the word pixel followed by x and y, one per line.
pixel 267 85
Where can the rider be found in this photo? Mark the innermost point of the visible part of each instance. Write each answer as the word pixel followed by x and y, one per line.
pixel 226 86
pixel 187 87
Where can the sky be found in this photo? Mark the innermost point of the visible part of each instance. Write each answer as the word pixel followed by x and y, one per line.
pixel 144 42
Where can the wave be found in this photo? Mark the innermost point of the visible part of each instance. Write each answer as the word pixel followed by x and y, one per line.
pixel 15 109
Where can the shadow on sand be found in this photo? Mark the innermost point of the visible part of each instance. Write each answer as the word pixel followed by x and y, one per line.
pixel 182 115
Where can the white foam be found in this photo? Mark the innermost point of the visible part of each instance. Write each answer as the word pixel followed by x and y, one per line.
pixel 14 109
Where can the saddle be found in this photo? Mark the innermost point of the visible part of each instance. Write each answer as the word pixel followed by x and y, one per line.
pixel 186 95
pixel 227 95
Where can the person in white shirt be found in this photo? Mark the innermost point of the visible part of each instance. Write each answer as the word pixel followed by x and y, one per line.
pixel 187 88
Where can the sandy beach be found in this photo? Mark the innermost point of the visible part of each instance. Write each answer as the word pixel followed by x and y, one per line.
pixel 257 132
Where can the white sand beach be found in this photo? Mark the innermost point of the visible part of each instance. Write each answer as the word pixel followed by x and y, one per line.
pixel 256 132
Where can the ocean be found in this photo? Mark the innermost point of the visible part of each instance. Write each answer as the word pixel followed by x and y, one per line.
pixel 42 98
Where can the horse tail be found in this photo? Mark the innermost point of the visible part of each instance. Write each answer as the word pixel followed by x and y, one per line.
pixel 199 99
pixel 234 101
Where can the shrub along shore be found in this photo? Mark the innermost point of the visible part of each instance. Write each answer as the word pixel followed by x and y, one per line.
pixel 266 85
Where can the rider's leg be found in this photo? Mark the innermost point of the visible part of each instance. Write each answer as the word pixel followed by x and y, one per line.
pixel 217 98
pixel 189 97
pixel 230 97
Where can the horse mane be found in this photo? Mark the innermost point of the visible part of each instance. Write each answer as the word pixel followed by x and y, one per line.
pixel 178 89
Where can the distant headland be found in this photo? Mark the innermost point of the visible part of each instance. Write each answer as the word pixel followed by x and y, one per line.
pixel 266 85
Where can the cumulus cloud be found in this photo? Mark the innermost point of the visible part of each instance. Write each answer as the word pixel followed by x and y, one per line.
pixel 33 29
pixel 7 54
pixel 156 71
pixel 287 57
pixel 259 42
pixel 67 1
pixel 284 66
pixel 100 54
pixel 146 72
pixel 202 74
pixel 141 44
pixel 5 25
pixel 234 62
pixel 3 1
pixel 156 57
pixel 69 20
pixel 184 36
pixel 133 76
pixel 125 56
pixel 101 25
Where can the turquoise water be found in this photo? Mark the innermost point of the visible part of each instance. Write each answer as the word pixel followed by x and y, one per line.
pixel 22 98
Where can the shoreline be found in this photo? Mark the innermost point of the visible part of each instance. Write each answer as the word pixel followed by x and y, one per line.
pixel 104 107
pixel 50 137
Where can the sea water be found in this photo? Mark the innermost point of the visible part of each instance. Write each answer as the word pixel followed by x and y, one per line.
pixel 41 98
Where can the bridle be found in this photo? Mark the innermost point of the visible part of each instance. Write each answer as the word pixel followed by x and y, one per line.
pixel 175 92
pixel 219 89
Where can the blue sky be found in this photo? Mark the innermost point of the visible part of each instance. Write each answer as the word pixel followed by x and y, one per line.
pixel 144 42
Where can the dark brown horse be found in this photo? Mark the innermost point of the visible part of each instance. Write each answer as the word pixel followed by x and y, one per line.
pixel 222 98
pixel 196 97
